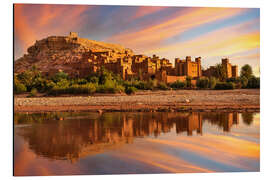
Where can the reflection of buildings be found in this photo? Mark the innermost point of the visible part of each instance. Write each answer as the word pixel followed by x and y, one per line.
pixel 189 124
pixel 73 137
pixel 224 120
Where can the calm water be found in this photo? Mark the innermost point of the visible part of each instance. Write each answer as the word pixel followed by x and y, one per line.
pixel 121 143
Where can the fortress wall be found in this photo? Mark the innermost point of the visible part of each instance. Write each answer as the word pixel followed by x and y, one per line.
pixel 171 79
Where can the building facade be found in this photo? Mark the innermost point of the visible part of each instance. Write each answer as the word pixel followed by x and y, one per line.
pixel 231 71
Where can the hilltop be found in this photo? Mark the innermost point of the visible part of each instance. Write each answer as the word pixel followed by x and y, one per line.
pixel 66 53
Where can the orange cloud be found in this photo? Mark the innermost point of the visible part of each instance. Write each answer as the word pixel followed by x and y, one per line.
pixel 184 20
pixel 222 42
pixel 46 20
pixel 22 29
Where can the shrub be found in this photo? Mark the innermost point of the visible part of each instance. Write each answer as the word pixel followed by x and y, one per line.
pixel 119 89
pixel 33 92
pixel 151 84
pixel 81 81
pixel 253 82
pixel 162 86
pixel 93 79
pixel 130 90
pixel 212 82
pixel 49 85
pixel 82 89
pixel 224 85
pixel 188 82
pixel 26 79
pixel 178 85
pixel 244 81
pixel 74 89
pixel 142 85
pixel 63 83
pixel 19 88
pixel 59 76
pixel 110 88
pixel 202 83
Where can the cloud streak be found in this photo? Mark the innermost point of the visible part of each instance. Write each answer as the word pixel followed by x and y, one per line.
pixel 166 31
pixel 154 35
pixel 222 42
pixel 48 20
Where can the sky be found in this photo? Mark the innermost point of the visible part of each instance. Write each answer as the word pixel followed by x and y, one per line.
pixel 169 32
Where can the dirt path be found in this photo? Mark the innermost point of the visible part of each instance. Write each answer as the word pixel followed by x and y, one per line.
pixel 180 100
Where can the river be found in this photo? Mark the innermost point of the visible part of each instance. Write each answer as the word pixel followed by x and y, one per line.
pixel 135 143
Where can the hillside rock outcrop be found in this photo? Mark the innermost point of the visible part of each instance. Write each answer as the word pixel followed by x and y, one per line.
pixel 71 54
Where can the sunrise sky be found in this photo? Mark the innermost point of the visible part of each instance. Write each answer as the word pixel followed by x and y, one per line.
pixel 169 32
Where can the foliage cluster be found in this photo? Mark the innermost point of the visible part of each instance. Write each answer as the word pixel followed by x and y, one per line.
pixel 104 81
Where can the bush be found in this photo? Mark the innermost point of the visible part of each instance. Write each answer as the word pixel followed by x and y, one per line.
pixel 151 84
pixel 110 88
pixel 49 85
pixel 33 92
pixel 224 85
pixel 244 82
pixel 130 90
pixel 202 83
pixel 82 89
pixel 253 82
pixel 212 82
pixel 142 85
pixel 81 81
pixel 74 89
pixel 93 79
pixel 63 83
pixel 19 88
pixel 162 86
pixel 59 76
pixel 178 85
pixel 26 78
pixel 188 82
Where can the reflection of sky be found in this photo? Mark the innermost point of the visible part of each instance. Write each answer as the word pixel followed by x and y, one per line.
pixel 214 151
pixel 169 32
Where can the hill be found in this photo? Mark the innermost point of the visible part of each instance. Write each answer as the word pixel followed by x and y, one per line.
pixel 70 54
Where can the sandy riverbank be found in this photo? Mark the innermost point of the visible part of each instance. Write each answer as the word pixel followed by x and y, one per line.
pixel 180 100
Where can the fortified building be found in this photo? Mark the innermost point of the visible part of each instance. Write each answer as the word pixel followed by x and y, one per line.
pixel 80 57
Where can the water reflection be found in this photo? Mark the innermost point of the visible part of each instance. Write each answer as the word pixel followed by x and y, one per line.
pixel 70 136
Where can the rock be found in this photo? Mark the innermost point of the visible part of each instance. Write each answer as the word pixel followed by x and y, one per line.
pixel 100 111
pixel 70 54
pixel 186 101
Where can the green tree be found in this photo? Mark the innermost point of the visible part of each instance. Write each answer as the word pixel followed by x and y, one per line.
pixel 220 72
pixel 202 83
pixel 18 86
pixel 244 81
pixel 188 82
pixel 246 71
pixel 212 82
pixel 59 76
pixel 253 82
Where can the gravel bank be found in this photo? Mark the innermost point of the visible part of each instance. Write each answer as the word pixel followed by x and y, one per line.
pixel 179 100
